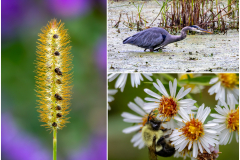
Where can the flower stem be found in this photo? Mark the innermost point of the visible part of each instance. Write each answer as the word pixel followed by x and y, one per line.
pixel 55 144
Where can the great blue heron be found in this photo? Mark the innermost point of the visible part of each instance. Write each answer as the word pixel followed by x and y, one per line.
pixel 158 37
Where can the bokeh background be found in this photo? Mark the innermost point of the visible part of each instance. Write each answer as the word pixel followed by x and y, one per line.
pixel 22 136
pixel 119 145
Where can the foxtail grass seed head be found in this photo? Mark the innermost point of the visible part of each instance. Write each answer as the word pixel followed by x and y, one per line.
pixel 54 75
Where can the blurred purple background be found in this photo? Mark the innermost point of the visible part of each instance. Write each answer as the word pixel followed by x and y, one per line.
pixel 22 136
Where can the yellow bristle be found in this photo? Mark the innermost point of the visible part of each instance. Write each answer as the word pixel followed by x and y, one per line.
pixel 54 76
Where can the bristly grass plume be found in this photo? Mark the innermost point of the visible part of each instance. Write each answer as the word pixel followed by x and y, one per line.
pixel 54 77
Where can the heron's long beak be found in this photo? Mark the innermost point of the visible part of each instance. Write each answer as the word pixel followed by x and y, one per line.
pixel 206 31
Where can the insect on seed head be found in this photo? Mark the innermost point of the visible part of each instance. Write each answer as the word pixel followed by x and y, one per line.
pixel 56 53
pixel 54 124
pixel 55 36
pixel 57 70
pixel 58 97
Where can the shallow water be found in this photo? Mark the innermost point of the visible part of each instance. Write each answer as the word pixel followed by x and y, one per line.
pixel 196 53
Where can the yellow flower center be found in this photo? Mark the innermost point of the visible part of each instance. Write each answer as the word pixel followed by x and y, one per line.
pixel 228 80
pixel 193 129
pixel 184 76
pixel 168 107
pixel 233 120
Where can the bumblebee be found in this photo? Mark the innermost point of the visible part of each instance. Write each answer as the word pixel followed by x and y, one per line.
pixel 154 137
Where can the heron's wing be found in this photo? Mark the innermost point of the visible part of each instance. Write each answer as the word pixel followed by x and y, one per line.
pixel 152 150
pixel 149 38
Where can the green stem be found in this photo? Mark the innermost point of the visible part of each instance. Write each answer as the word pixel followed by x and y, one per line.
pixel 55 144
pixel 54 101
pixel 171 78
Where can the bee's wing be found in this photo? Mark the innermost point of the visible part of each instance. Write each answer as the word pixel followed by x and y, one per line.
pixel 152 150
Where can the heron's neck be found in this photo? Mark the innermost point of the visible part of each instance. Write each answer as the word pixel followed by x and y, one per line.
pixel 178 37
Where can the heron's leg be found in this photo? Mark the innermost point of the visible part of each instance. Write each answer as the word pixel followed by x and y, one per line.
pixel 145 49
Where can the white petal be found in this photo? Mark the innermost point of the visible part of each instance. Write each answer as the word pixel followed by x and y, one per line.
pixel 175 133
pixel 236 135
pixel 230 139
pixel 183 94
pixel 205 114
pixel 195 150
pixel 112 91
pixel 110 98
pixel 139 102
pixel 136 109
pixel 205 145
pixel 148 109
pixel 213 80
pixel 184 115
pixel 179 141
pixel 121 81
pixel 214 88
pixel 183 145
pixel 141 145
pixel 171 88
pixel 209 140
pixel 151 93
pixel 137 142
pixel 132 129
pixel 136 137
pixel 130 116
pixel 178 118
pixel 112 76
pixel 224 137
pixel 210 131
pixel 187 101
pixel 200 147
pixel 220 94
pixel 220 110
pixel 174 87
pixel 210 125
pixel 151 99
pixel 132 79
pixel 164 92
pixel 180 92
pixel 219 120
pixel 133 120
pixel 217 116
pixel 200 111
pixel 190 145
pixel 147 75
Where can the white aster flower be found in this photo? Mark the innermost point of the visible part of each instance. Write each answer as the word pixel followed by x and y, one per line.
pixel 136 79
pixel 169 105
pixel 224 84
pixel 111 92
pixel 140 120
pixel 227 119
pixel 195 88
pixel 193 134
